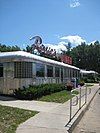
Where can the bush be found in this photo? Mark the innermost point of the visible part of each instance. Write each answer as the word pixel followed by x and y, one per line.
pixel 91 79
pixel 37 91
pixel 69 85
pixel 81 82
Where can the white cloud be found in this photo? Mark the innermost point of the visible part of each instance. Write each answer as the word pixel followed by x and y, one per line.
pixel 63 43
pixel 74 3
pixel 74 40
pixel 58 47
pixel 61 46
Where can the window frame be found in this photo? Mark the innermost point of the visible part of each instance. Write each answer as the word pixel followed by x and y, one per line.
pixel 43 66
pixel 57 72
pixel 48 72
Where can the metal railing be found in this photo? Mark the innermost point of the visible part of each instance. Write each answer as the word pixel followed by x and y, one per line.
pixel 72 104
pixel 78 100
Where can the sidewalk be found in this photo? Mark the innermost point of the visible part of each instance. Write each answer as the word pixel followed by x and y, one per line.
pixel 90 123
pixel 53 121
pixel 28 105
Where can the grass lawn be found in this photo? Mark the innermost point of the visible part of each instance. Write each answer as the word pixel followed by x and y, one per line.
pixel 58 97
pixel 10 118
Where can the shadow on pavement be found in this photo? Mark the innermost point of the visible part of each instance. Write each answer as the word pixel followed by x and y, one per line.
pixel 7 98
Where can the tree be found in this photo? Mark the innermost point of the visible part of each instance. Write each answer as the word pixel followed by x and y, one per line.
pixel 4 48
pixel 87 56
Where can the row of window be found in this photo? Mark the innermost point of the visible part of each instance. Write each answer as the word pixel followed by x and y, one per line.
pixel 25 70
pixel 71 73
pixel 40 71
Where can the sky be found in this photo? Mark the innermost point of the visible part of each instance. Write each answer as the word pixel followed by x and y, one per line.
pixel 57 22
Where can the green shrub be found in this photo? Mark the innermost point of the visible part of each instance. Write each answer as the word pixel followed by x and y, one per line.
pixel 91 79
pixel 37 91
pixel 81 82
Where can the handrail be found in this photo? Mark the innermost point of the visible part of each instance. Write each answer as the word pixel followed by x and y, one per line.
pixel 76 101
pixel 72 104
pixel 76 98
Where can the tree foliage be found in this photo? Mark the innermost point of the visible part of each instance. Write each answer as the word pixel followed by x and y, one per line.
pixel 87 56
pixel 4 48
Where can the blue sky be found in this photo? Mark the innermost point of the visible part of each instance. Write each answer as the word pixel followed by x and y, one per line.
pixel 56 21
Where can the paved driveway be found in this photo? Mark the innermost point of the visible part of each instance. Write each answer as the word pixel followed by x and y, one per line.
pixel 29 105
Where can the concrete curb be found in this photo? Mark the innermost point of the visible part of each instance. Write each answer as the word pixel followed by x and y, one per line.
pixel 80 114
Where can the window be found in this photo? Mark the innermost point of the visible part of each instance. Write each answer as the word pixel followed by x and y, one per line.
pixel 61 72
pixel 73 73
pixel 70 73
pixel 57 72
pixel 40 70
pixel 66 72
pixel 79 75
pixel 1 70
pixel 49 71
pixel 23 69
